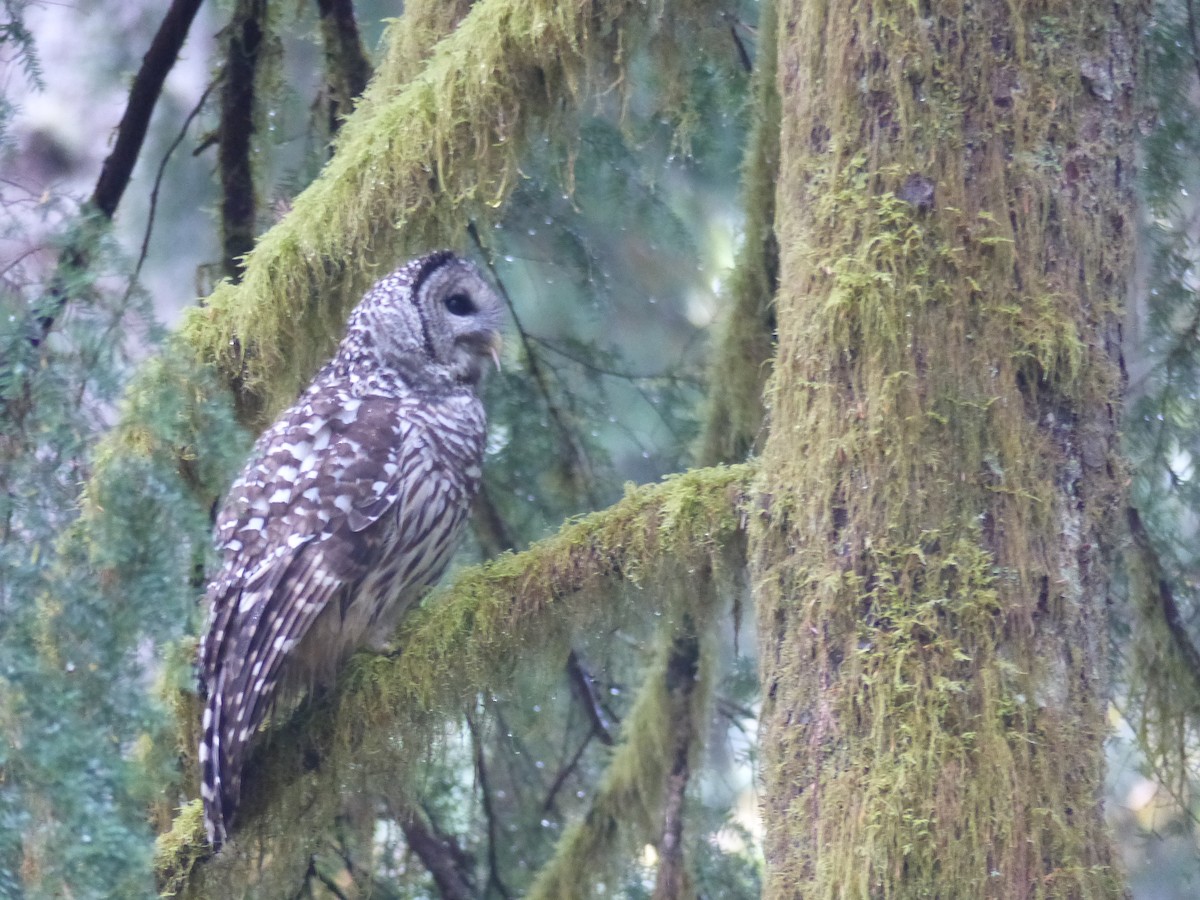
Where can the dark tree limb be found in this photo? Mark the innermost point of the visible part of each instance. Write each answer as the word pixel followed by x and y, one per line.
pixel 441 856
pixel 245 37
pixel 581 686
pixel 347 68
pixel 143 96
pixel 117 168
pixel 110 187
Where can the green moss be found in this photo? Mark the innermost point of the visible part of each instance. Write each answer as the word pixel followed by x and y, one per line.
pixel 741 359
pixel 939 475
pixel 419 159
pixel 388 710
pixel 178 850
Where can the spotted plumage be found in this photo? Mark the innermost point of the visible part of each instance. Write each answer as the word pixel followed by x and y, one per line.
pixel 349 508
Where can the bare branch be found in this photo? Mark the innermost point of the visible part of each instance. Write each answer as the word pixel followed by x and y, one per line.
pixel 438 853
pixel 143 97
pixel 239 204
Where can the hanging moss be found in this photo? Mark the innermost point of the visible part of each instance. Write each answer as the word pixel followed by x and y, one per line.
pixel 741 360
pixel 941 470
pixel 419 159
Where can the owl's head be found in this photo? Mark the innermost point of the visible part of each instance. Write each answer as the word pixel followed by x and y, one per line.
pixel 435 315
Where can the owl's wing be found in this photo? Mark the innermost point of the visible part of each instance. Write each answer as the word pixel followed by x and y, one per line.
pixel 329 468
pixel 295 537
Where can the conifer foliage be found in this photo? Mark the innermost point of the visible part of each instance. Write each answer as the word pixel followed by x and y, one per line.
pixel 574 713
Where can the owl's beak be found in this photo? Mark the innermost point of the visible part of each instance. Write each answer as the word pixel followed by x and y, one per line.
pixel 495 345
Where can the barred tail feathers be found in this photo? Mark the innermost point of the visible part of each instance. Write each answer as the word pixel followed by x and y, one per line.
pixel 219 779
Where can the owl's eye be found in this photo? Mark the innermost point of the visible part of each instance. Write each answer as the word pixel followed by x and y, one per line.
pixel 459 305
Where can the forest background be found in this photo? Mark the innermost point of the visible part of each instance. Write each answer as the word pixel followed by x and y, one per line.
pixel 622 236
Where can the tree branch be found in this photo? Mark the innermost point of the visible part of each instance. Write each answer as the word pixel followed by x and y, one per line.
pixel 347 68
pixel 239 86
pixel 576 465
pixel 143 97
pixel 683 669
pixel 158 179
pixel 581 686
pixel 117 168
pixel 649 767
pixel 467 639
pixel 485 792
pixel 416 162
pixel 438 854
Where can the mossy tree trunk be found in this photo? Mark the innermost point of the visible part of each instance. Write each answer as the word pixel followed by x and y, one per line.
pixel 939 485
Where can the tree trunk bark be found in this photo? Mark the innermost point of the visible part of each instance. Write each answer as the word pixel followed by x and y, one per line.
pixel 940 481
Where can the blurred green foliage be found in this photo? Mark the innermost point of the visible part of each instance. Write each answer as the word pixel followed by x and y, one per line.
pixel 611 253
pixel 1162 431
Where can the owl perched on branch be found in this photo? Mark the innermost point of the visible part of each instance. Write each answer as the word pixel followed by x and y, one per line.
pixel 349 508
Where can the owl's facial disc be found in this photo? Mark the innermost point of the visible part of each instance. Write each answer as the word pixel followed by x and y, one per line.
pixel 472 313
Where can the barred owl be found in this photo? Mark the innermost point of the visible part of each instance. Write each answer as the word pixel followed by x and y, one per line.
pixel 349 508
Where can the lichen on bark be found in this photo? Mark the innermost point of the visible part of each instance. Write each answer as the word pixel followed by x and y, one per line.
pixel 940 475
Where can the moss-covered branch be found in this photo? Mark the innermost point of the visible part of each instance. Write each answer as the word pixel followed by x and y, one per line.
pixel 415 162
pixel 388 709
pixel 741 362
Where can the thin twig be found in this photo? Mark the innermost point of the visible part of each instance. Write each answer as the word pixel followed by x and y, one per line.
pixel 581 469
pixel 563 774
pixel 612 373
pixel 158 178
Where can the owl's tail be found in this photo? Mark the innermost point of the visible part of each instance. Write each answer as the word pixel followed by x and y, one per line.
pixel 220 775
